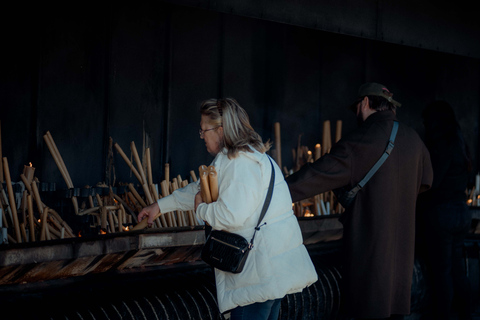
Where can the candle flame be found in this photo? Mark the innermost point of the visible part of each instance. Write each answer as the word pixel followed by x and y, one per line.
pixel 30 164
pixel 103 231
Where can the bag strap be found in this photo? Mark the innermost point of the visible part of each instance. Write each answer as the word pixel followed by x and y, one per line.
pixel 380 161
pixel 269 194
pixel 267 202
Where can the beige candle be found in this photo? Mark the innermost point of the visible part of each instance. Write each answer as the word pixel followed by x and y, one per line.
pixel 167 172
pixel 204 185
pixel 318 151
pixel 148 196
pixel 43 221
pixel 99 200
pixel 103 213
pixel 36 196
pixel 137 196
pixel 278 144
pixel 128 162
pixel 23 232
pixel 193 175
pixel 120 220
pixel 138 162
pixel 61 221
pixel 338 130
pixel 58 159
pixel 213 183
pixel 5 202
pixel 26 183
pixel 165 192
pixel 11 201
pixel 1 157
pixel 29 172
pixel 326 137
pixel 75 204
pixel 31 218
pixel 149 166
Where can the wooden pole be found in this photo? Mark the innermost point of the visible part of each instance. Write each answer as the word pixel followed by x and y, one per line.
pixel 12 203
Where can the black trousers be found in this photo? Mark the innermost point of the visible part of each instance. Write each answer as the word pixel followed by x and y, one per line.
pixel 450 287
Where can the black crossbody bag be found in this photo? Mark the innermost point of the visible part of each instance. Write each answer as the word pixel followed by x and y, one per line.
pixel 345 196
pixel 228 251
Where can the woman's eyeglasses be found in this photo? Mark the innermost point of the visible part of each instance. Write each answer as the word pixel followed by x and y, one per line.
pixel 201 132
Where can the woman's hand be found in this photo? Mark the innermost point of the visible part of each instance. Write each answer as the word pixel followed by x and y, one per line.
pixel 198 199
pixel 150 212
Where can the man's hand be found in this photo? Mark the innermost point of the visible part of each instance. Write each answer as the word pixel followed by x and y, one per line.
pixel 150 212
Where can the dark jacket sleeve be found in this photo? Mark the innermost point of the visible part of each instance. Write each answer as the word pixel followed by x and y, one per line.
pixel 330 172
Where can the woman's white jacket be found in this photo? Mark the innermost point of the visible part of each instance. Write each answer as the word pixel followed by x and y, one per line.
pixel 279 263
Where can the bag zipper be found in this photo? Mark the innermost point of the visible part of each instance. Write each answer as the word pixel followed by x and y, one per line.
pixel 228 244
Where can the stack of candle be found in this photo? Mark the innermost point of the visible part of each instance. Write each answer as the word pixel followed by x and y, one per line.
pixel 26 227
pixel 151 193
pixel 321 204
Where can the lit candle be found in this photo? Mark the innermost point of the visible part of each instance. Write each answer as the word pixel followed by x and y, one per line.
pixel 309 156
pixel 28 172
pixel 318 151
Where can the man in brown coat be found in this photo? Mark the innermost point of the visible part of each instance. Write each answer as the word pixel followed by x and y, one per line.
pixel 379 226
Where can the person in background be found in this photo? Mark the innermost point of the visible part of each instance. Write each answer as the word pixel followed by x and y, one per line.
pixel 444 214
pixel 279 263
pixel 379 226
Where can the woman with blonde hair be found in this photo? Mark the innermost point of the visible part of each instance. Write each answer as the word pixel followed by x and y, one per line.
pixel 279 263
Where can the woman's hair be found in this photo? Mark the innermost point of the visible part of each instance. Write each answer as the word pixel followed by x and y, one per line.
pixel 238 134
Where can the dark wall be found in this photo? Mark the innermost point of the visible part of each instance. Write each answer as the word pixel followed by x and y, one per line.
pixel 138 72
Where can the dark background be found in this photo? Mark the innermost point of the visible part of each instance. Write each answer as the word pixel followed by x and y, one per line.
pixel 138 72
